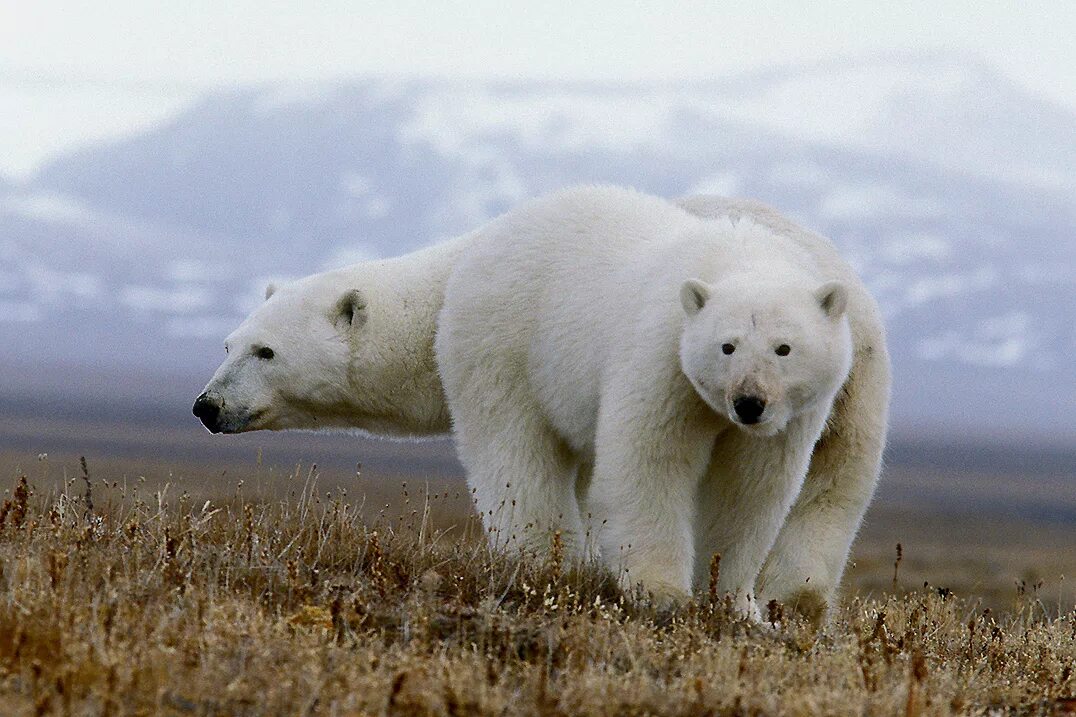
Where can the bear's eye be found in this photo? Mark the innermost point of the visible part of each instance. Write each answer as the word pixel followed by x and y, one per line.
pixel 265 353
pixel 727 349
pixel 783 350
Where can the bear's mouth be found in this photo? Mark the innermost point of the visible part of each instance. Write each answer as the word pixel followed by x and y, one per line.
pixel 763 427
pixel 252 419
pixel 244 424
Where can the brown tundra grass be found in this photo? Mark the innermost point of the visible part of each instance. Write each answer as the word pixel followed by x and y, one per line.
pixel 114 602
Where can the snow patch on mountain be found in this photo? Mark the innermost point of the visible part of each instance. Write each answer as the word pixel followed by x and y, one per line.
pixel 360 199
pixel 166 300
pixel 948 285
pixel 50 285
pixel 453 121
pixel 195 270
pixel 850 203
pixel 47 206
pixel 997 342
pixel 903 248
pixel 836 106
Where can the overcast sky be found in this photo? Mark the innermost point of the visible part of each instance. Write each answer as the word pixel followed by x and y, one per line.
pixel 73 71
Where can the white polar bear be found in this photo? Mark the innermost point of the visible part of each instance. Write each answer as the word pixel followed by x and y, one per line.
pixel 690 364
pixel 350 348
pixel 803 569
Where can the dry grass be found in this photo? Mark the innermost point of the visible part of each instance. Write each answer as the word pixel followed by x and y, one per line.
pixel 120 600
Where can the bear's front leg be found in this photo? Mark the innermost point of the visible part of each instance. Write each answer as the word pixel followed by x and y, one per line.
pixel 649 457
pixel 744 498
pixel 521 474
pixel 804 569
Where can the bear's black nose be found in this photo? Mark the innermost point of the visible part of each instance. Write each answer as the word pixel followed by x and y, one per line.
pixel 208 411
pixel 749 408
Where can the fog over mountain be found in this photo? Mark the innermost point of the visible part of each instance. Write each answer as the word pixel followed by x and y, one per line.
pixel 951 190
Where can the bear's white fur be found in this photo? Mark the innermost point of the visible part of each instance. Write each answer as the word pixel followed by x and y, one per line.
pixel 351 348
pixel 581 333
pixel 804 567
pixel 380 377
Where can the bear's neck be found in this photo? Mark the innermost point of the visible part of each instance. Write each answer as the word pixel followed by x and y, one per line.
pixel 409 400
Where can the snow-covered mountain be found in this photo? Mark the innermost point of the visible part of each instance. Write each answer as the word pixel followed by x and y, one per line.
pixel 956 113
pixel 951 189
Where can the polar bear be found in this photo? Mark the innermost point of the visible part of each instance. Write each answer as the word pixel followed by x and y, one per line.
pixel 350 348
pixel 804 567
pixel 685 367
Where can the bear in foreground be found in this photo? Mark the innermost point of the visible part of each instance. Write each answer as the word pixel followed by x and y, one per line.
pixel 353 349
pixel 685 368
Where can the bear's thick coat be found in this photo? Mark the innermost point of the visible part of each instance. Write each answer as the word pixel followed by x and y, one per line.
pixel 804 567
pixel 579 342
pixel 377 374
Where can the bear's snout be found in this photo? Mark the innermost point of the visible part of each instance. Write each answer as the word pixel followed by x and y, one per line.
pixel 749 409
pixel 208 412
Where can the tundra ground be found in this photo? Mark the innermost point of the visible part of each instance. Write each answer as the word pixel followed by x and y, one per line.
pixel 123 593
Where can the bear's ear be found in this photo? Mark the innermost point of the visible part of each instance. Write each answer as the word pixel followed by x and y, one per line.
pixel 693 296
pixel 833 298
pixel 350 310
pixel 270 289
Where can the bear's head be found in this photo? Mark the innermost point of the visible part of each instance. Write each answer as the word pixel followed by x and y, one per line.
pixel 288 363
pixel 760 352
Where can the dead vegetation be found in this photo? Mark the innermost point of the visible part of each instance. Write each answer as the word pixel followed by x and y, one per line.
pixel 119 600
